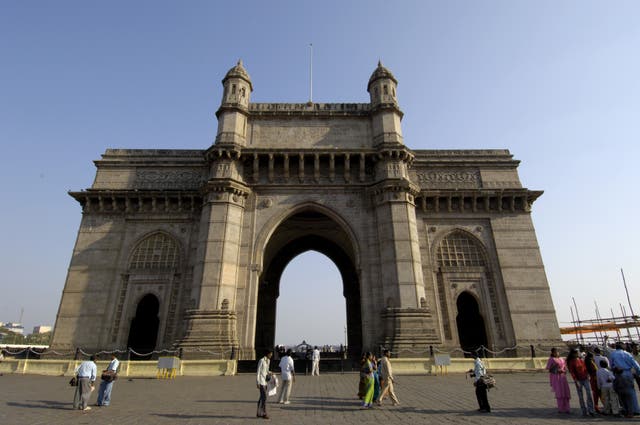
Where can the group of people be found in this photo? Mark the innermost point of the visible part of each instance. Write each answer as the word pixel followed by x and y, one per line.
pixel 86 375
pixel 600 378
pixel 376 380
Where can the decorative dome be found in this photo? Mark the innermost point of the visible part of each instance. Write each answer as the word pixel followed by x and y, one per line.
pixel 238 71
pixel 381 72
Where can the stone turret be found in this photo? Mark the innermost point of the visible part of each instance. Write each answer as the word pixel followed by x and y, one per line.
pixel 384 104
pixel 382 87
pixel 232 114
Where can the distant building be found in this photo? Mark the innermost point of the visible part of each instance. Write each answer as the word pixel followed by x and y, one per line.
pixel 14 327
pixel 41 329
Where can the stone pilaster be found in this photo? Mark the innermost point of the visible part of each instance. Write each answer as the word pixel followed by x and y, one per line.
pixel 212 326
pixel 408 324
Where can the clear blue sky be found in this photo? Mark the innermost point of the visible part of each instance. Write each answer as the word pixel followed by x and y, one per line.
pixel 555 82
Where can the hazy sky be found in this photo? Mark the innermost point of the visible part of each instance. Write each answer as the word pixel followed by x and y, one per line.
pixel 555 82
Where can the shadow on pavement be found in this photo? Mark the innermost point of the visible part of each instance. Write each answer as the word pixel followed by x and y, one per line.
pixel 42 404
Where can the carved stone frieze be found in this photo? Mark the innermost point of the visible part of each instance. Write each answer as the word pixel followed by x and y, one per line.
pixel 449 179
pixel 168 179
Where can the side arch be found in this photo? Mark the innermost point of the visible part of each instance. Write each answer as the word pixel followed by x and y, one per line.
pixel 463 264
pixel 470 323
pixel 143 330
pixel 153 267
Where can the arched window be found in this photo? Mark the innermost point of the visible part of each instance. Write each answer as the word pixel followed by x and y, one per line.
pixel 459 250
pixel 157 251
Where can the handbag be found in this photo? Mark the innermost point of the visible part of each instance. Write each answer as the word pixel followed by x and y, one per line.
pixel 109 376
pixel 73 382
pixel 489 381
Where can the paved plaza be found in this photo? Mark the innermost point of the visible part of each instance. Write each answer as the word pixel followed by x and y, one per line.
pixel 522 398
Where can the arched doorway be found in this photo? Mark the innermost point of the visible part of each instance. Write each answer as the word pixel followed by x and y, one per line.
pixel 311 306
pixel 471 330
pixel 144 327
pixel 307 230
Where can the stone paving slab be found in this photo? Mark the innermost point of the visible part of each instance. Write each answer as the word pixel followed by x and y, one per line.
pixel 522 398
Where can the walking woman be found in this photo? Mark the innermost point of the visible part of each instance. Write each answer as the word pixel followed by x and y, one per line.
pixel 557 368
pixel 592 370
pixel 366 372
pixel 376 379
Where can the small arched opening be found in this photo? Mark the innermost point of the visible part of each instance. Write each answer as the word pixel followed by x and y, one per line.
pixel 143 332
pixel 471 329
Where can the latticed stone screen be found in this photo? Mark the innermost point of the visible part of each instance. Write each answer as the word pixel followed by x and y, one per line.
pixel 157 251
pixel 459 250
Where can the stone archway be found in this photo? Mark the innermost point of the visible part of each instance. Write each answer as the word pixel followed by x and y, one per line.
pixel 305 231
pixel 143 333
pixel 471 329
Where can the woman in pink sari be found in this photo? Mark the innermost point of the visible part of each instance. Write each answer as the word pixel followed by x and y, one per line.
pixel 558 378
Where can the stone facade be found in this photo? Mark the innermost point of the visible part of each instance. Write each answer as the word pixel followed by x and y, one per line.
pixel 185 248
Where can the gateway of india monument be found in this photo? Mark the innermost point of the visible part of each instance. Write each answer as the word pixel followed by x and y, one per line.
pixel 185 249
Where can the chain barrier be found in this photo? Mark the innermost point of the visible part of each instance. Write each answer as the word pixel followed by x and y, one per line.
pixel 224 353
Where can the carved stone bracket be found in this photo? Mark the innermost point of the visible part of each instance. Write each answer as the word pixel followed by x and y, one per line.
pixel 482 200
pixel 395 151
pixel 137 201
pixel 223 150
pixel 226 190
pixel 394 190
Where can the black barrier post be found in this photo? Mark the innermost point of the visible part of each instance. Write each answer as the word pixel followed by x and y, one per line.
pixel 533 351
pixel 431 350
pixel 233 353
pixel 180 353
pixel 77 354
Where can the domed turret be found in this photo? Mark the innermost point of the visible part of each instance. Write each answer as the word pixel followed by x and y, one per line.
pixel 233 112
pixel 386 114
pixel 382 87
pixel 237 87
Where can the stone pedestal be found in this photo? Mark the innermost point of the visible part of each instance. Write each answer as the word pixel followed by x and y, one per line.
pixel 409 331
pixel 210 335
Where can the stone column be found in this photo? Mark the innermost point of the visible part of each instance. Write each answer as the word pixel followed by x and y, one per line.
pixel 408 323
pixel 211 327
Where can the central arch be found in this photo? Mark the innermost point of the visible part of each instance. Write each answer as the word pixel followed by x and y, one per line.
pixel 303 231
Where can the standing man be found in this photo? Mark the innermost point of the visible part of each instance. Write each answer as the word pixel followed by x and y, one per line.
pixel 479 371
pixel 624 361
pixel 263 376
pixel 386 376
pixel 315 358
pixel 288 377
pixel 86 375
pixel 108 376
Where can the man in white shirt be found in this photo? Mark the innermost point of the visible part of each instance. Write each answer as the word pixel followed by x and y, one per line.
pixel 288 377
pixel 108 376
pixel 86 374
pixel 481 388
pixel 315 362
pixel 263 376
